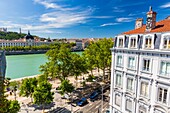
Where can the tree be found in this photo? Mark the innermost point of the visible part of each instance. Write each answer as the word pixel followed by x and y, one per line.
pixel 14 107
pixel 60 63
pixel 90 57
pixel 42 94
pixel 66 87
pixel 78 66
pixel 27 87
pixel 8 106
pixel 98 55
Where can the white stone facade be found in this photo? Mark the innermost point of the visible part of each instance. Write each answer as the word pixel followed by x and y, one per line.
pixel 140 75
pixel 140 78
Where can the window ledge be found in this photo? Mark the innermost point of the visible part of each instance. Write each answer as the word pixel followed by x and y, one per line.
pixel 162 104
pixel 119 66
pixel 130 91
pixel 147 98
pixel 132 69
pixel 118 87
pixel 147 72
pixel 132 47
pixel 163 76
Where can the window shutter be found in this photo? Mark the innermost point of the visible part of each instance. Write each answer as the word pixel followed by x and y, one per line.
pixel 126 41
pixel 140 42
pixel 157 41
pixel 115 43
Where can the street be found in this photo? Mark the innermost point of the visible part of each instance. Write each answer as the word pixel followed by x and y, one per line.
pixel 96 106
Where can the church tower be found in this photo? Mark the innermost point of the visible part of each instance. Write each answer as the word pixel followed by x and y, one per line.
pixel 151 19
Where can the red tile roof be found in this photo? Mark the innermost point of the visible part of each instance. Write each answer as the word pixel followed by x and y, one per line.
pixel 161 26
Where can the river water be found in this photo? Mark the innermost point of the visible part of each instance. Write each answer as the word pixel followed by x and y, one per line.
pixel 19 66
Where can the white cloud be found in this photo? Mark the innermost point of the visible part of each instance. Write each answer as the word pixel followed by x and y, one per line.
pixel 62 16
pixel 109 24
pixel 124 19
pixel 48 4
pixel 101 17
pixel 118 10
pixel 167 5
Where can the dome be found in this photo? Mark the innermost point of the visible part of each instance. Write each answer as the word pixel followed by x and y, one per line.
pixel 29 36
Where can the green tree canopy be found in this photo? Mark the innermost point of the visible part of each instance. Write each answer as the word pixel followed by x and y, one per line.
pixel 27 87
pixel 42 94
pixel 66 87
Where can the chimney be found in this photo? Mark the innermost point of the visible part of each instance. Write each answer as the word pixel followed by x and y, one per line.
pixel 139 23
pixel 151 19
pixel 168 18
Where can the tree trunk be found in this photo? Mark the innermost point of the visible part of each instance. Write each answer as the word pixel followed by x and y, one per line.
pixel 103 73
pixel 31 99
pixel 92 72
pixel 109 75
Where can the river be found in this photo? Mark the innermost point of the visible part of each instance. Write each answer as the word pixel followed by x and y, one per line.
pixel 19 66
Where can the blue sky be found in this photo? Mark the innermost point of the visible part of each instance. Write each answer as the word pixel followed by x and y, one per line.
pixel 77 18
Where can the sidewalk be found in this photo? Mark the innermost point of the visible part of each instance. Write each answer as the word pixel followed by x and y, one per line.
pixel 58 102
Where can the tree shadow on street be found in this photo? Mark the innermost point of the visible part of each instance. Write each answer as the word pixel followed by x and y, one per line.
pixel 40 107
pixel 60 110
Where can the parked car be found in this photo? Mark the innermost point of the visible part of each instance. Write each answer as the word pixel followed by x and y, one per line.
pixel 94 95
pixel 82 102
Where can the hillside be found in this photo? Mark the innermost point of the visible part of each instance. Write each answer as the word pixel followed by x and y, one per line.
pixel 11 35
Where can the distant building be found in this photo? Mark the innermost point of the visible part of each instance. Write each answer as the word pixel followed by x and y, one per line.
pixel 79 44
pixel 140 76
pixel 2 70
pixel 28 40
pixel 85 43
pixel 3 29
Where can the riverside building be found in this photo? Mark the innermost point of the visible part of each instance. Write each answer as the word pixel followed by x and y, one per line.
pixel 28 40
pixel 140 77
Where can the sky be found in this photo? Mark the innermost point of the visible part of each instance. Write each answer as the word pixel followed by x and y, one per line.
pixel 77 18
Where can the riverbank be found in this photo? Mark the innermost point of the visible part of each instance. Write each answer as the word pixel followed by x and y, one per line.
pixel 25 52
pixel 31 52
pixel 20 79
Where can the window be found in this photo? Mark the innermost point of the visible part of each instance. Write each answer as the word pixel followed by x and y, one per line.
pixel 120 42
pixel 119 60
pixel 130 84
pixel 117 99
pixel 166 43
pixel 142 110
pixel 144 89
pixel 131 63
pixel 128 106
pixel 148 42
pixel 165 68
pixel 133 42
pixel 162 95
pixel 118 80
pixel 146 64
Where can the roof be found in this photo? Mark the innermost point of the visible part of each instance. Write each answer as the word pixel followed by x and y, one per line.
pixel 161 26
pixel 29 36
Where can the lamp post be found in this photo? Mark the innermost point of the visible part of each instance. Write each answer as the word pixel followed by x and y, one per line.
pixel 102 100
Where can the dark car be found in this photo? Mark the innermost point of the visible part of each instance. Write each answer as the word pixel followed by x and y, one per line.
pixel 82 102
pixel 94 95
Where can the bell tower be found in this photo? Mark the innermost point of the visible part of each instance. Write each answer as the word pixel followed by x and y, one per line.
pixel 151 19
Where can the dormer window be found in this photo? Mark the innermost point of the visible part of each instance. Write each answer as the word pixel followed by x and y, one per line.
pixel 133 42
pixel 166 43
pixel 148 42
pixel 120 44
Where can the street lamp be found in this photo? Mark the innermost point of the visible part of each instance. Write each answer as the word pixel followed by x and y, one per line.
pixel 101 84
pixel 102 97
